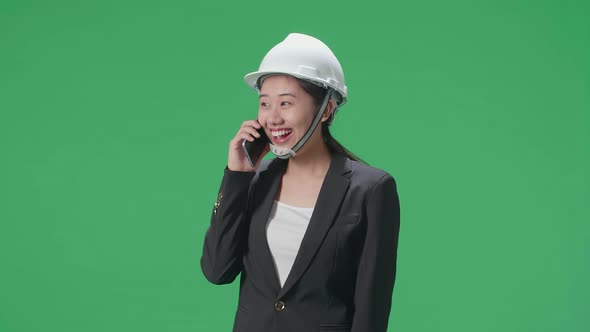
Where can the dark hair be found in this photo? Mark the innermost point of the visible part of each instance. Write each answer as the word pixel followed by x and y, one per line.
pixel 318 93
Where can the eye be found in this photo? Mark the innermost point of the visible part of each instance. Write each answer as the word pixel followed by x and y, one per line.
pixel 285 103
pixel 263 104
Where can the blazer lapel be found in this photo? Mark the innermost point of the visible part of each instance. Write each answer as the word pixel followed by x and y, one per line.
pixel 331 194
pixel 268 185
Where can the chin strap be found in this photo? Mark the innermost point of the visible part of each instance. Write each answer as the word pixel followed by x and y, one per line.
pixel 284 153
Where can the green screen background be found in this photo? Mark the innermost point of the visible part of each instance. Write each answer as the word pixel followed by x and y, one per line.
pixel 115 118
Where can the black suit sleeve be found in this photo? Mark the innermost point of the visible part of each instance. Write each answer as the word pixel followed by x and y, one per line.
pixel 227 234
pixel 377 268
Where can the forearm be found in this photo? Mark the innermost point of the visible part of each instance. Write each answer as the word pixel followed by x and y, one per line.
pixel 377 268
pixel 226 236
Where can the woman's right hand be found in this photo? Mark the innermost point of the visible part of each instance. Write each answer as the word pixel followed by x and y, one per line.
pixel 237 159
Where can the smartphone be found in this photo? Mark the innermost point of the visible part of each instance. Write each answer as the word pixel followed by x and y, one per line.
pixel 254 149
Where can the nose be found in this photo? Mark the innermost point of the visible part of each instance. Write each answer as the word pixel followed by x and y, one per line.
pixel 273 117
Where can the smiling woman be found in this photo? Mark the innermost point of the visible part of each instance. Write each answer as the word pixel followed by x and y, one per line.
pixel 313 232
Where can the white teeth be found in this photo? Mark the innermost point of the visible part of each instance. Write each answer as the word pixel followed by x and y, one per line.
pixel 281 132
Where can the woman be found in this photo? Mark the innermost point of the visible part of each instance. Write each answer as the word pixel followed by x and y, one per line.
pixel 313 232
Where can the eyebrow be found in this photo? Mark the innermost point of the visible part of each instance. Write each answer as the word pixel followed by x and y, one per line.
pixel 281 95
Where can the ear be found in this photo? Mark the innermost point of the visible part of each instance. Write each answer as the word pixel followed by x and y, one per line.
pixel 328 110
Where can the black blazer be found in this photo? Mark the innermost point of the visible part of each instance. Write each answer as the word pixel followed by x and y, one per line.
pixel 343 275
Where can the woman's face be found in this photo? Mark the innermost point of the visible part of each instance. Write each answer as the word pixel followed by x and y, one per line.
pixel 286 111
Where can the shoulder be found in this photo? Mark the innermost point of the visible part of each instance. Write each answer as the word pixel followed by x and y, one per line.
pixel 264 164
pixel 267 164
pixel 367 172
pixel 369 177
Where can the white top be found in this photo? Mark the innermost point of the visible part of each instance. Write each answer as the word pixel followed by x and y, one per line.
pixel 285 228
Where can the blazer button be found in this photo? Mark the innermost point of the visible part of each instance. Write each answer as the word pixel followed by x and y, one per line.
pixel 279 305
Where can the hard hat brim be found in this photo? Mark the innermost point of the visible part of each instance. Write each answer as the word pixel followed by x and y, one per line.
pixel 253 78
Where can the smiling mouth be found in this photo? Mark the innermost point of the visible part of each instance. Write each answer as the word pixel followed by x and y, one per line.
pixel 280 136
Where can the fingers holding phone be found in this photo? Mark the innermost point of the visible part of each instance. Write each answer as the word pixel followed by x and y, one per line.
pixel 248 147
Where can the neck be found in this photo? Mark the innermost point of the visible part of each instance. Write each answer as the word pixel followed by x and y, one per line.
pixel 313 160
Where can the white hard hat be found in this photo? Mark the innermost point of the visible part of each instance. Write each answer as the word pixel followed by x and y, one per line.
pixel 304 57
